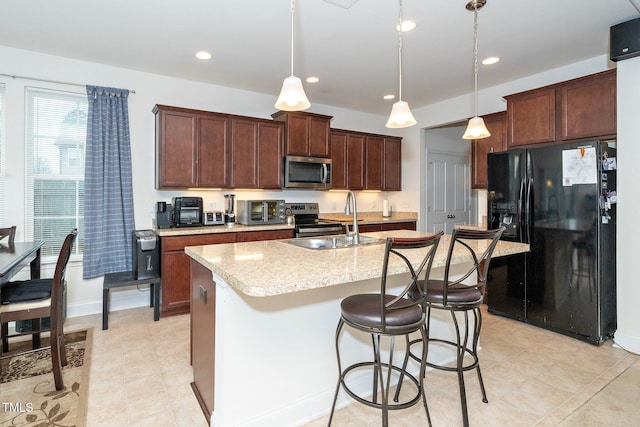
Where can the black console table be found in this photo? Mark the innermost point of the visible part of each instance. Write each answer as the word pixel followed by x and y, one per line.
pixel 125 278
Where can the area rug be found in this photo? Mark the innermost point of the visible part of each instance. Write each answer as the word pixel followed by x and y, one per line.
pixel 27 392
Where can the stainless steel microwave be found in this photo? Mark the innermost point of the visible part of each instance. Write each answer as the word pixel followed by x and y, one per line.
pixel 307 172
pixel 256 212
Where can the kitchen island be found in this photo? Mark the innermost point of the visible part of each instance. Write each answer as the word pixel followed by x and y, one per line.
pixel 263 320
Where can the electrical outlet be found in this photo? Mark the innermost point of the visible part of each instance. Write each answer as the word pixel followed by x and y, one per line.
pixel 333 206
pixel 373 204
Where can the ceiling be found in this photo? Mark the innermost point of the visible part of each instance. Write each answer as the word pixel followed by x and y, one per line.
pixel 351 45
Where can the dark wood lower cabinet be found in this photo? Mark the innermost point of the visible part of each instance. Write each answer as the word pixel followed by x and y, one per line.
pixel 175 269
pixel 175 264
pixel 203 337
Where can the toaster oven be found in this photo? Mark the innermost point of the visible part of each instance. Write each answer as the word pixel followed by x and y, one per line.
pixel 187 211
pixel 255 212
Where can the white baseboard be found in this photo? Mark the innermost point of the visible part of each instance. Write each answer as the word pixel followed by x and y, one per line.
pixel 627 342
pixel 120 300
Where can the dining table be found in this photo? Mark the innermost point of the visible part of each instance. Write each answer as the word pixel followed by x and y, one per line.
pixel 14 258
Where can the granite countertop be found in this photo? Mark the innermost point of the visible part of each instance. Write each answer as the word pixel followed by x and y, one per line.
pixel 274 267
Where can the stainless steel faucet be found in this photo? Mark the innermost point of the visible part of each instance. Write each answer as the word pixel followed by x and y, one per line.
pixel 348 210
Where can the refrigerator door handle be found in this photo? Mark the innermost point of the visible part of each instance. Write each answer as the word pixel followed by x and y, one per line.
pixel 527 212
pixel 521 212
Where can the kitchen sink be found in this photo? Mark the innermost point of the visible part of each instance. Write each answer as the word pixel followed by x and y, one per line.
pixel 332 242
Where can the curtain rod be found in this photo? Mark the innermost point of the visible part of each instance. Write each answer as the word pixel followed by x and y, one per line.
pixel 14 76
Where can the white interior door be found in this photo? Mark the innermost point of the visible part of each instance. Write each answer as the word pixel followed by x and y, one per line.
pixel 448 191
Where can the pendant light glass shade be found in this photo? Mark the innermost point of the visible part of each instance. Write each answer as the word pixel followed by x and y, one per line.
pixel 400 116
pixel 292 96
pixel 476 128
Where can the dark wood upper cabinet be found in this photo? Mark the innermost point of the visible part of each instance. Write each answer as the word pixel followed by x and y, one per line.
pixel 339 159
pixel 355 162
pixel 588 107
pixel 392 164
pixel 531 117
pixel 497 125
pixel 270 137
pixel 213 151
pixel 573 110
pixel 363 161
pixel 256 153
pixel 375 162
pixel 191 148
pixel 176 147
pixel 306 134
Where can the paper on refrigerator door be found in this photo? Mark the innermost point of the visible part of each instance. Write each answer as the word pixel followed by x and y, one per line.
pixel 579 166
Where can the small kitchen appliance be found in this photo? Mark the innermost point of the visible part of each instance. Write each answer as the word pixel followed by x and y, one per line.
pixel 187 211
pixel 213 218
pixel 146 254
pixel 229 212
pixel 164 215
pixel 256 212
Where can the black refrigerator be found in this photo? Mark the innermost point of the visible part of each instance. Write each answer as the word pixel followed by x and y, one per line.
pixel 561 200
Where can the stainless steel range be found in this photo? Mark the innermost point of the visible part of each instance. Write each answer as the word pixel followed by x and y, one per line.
pixel 307 222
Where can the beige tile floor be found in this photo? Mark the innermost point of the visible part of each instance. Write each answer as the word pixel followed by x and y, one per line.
pixel 140 376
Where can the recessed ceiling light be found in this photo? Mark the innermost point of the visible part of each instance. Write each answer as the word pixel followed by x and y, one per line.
pixel 389 96
pixel 490 60
pixel 312 79
pixel 406 26
pixel 203 55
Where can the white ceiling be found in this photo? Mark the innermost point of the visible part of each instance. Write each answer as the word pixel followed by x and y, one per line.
pixel 353 50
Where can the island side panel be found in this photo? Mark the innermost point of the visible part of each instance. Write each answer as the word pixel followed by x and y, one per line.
pixel 203 317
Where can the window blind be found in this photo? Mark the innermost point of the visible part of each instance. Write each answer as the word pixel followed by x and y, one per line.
pixel 55 135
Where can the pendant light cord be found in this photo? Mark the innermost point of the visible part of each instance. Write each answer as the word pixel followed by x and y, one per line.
pixel 475 57
pixel 293 9
pixel 400 52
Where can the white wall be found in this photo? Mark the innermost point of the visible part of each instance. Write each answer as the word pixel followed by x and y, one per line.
pixel 628 226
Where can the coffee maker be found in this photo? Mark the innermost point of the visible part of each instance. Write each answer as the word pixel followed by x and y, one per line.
pixel 164 215
pixel 229 214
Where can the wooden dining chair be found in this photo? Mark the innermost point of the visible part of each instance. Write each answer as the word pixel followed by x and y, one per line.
pixel 38 298
pixel 8 232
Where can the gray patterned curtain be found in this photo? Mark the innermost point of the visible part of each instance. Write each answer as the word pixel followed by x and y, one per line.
pixel 108 209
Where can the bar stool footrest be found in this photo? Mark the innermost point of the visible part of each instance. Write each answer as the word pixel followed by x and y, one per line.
pixel 373 403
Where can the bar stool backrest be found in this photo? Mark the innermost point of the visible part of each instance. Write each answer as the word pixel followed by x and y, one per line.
pixel 465 242
pixel 404 248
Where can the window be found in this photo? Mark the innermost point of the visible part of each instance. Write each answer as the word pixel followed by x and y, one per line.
pixel 2 161
pixel 55 134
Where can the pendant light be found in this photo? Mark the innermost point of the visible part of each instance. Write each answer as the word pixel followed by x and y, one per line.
pixel 476 128
pixel 292 96
pixel 401 116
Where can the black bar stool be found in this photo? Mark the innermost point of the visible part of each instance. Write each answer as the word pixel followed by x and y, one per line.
pixel 461 294
pixel 383 314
